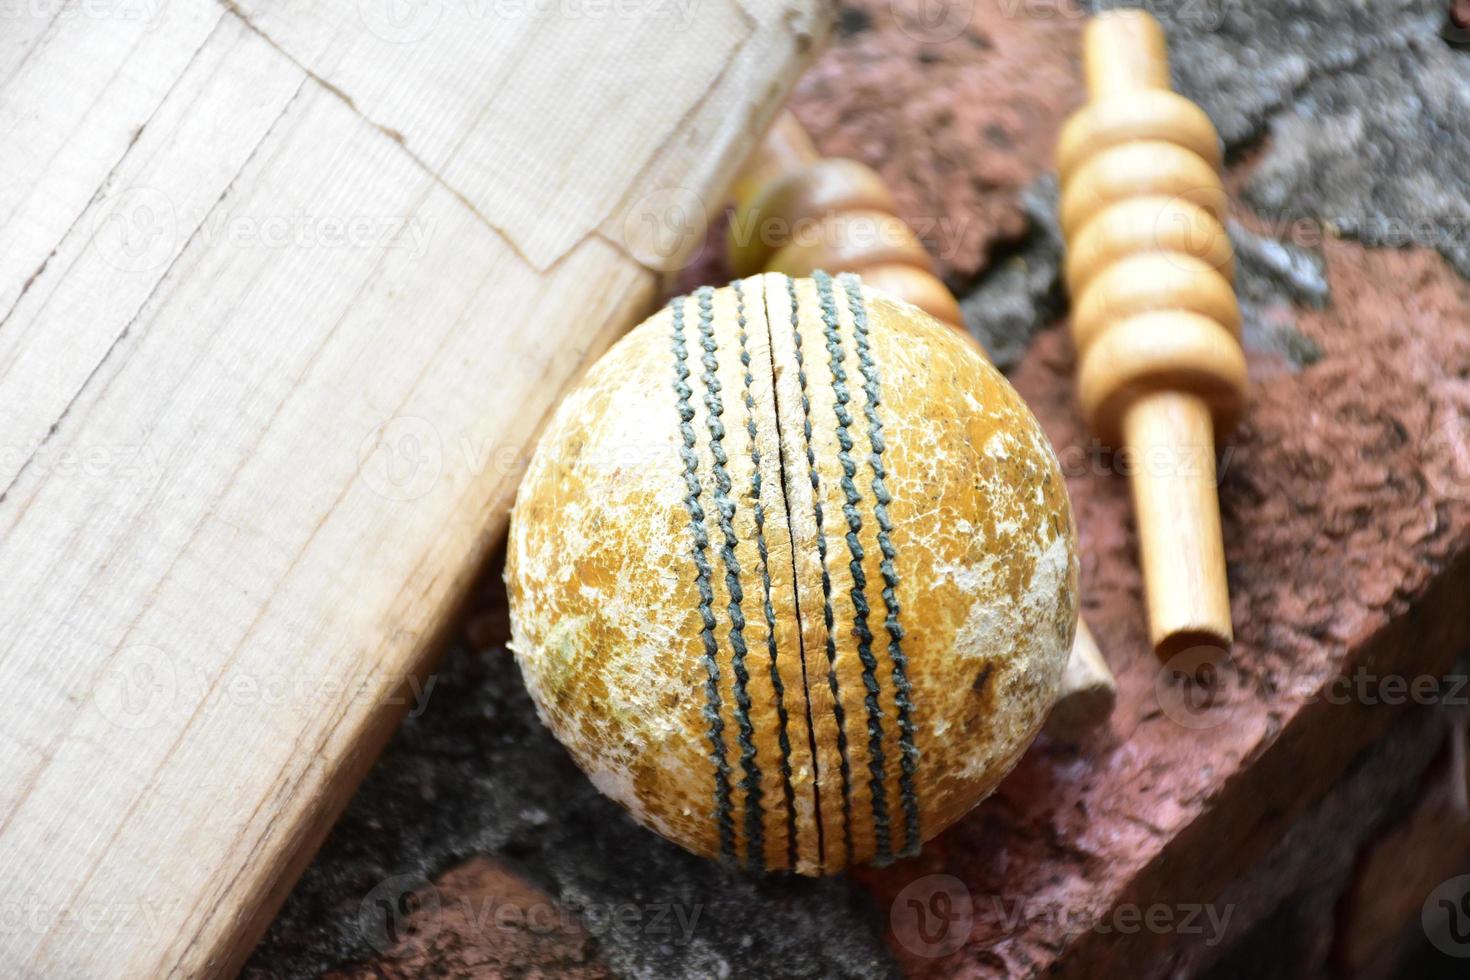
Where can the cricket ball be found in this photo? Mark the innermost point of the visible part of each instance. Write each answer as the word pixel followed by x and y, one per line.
pixel 793 574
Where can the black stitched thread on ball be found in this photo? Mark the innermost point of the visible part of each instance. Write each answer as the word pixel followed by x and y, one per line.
pixel 725 506
pixel 877 761
pixel 751 783
pixel 783 739
pixel 811 458
pixel 872 388
pixel 724 818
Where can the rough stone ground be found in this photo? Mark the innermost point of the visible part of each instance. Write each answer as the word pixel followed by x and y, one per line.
pixel 1345 496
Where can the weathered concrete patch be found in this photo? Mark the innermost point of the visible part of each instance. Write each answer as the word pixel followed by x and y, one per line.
pixel 1244 60
pixel 1366 106
pixel 955 104
pixel 1024 293
pixel 1381 154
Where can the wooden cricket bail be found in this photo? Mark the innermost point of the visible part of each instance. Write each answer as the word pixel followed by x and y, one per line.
pixel 796 212
pixel 1156 323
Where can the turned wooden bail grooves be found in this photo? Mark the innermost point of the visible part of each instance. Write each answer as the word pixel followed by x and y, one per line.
pixel 797 212
pixel 1155 318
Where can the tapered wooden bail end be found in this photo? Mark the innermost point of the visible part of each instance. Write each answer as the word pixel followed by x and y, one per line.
pixel 1156 322
pixel 1178 514
pixel 1124 50
pixel 1089 691
pixel 796 212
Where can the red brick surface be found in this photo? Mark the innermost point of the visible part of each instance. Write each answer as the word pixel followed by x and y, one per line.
pixel 1347 525
pixel 481 919
pixel 958 118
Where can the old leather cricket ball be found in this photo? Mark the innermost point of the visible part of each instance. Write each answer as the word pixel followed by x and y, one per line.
pixel 793 575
